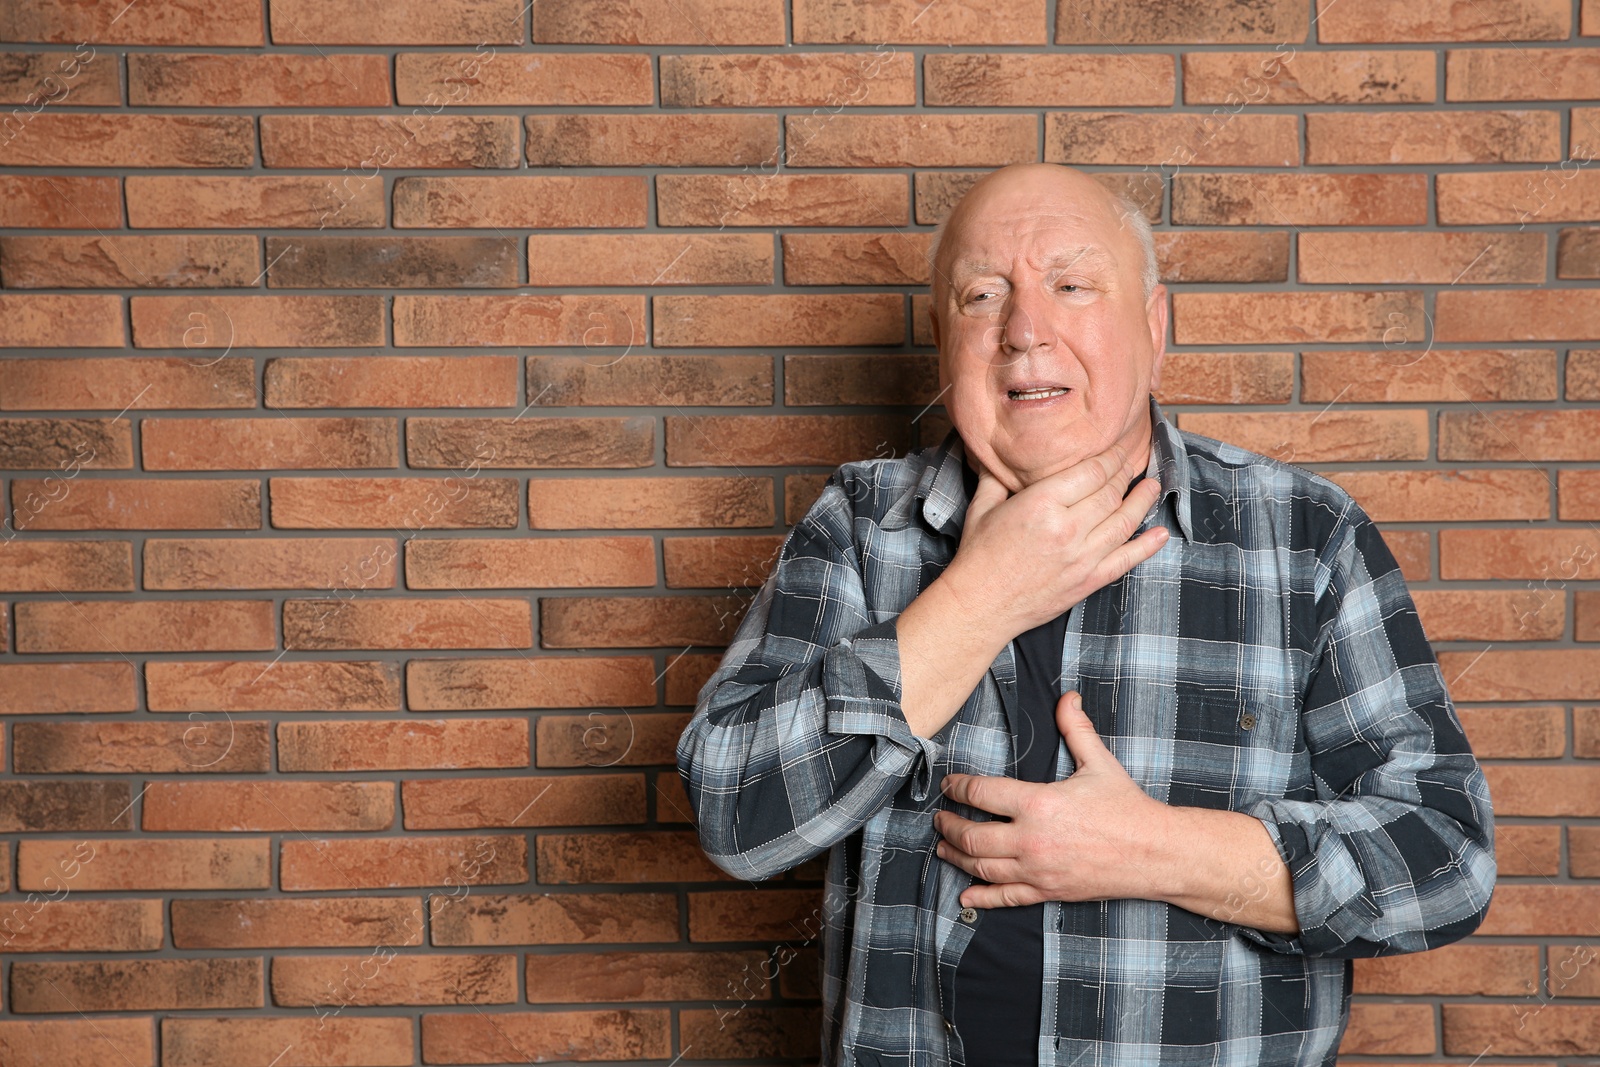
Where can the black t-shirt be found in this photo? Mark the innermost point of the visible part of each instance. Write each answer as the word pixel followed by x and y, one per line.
pixel 998 999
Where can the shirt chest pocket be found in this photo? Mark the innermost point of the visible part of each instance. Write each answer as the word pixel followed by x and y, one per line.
pixel 1229 748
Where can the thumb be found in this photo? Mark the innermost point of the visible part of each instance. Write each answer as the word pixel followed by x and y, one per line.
pixel 989 493
pixel 1083 740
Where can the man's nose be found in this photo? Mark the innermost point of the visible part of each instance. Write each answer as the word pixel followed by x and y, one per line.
pixel 1026 324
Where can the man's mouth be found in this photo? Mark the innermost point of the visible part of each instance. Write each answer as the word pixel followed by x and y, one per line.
pixel 1037 392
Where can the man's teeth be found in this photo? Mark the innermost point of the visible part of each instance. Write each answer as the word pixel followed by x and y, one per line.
pixel 1034 394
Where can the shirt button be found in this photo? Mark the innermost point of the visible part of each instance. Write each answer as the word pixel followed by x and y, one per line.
pixel 1247 721
pixel 969 915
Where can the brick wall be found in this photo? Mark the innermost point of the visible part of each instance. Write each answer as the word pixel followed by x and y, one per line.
pixel 401 401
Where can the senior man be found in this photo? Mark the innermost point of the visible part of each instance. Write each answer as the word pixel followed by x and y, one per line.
pixel 1122 742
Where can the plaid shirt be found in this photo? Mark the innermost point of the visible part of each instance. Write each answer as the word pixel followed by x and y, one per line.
pixel 1268 659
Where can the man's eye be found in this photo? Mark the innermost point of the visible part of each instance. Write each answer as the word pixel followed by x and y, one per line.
pixel 1071 287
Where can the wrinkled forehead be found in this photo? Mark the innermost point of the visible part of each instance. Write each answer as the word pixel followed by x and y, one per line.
pixel 995 241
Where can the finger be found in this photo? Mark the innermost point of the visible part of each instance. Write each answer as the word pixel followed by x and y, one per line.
pixel 1002 895
pixel 989 792
pixel 1083 740
pixel 989 493
pixel 988 868
pixel 1090 475
pixel 984 839
pixel 1118 526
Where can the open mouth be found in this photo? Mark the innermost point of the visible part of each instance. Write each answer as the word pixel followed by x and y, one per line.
pixel 1048 392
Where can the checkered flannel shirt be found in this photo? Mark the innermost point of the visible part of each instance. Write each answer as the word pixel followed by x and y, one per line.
pixel 1268 659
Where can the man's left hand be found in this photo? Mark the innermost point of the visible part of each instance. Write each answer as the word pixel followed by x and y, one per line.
pixel 1092 836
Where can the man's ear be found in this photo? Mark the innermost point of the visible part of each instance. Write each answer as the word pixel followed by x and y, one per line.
pixel 1156 315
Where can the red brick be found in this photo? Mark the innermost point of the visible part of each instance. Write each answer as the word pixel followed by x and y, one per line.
pixel 67 925
pixel 385 978
pixel 407 623
pixel 654 503
pixel 1343 77
pixel 60 202
pixel 536 442
pixel 332 1041
pixel 393 862
pixel 683 321
pixel 485 684
pixel 1553 555
pixel 1295 317
pixel 382 22
pixel 1102 22
pixel 1531 674
pixel 916 22
pixel 40 79
pixel 1578 254
pixel 80 139
pixel 362 141
pixel 751 1031
pixel 1517 1030
pixel 1111 138
pixel 257 321
pixel 558 919
pixel 66 566
pixel 197 79
pixel 656 140
pixel 559 259
pixel 1563 193
pixel 672 801
pixel 593 321
pixel 410 744
pixel 1584 843
pixel 152 262
pixel 1569 792
pixel 783 440
pixel 781 200
pixel 279 685
pixel 1389 1030
pixel 756 915
pixel 196 746
pixel 48 320
pixel 391 263
pixel 1578 494
pixel 268 807
pixel 575 978
pixel 531 1037
pixel 1207 256
pixel 1520 74
pixel 136 985
pixel 1016 79
pixel 918 140
pixel 122 383
pixel 1300 199
pixel 1225 378
pixel 1411 549
pixel 650 379
pixel 725 562
pixel 565 800
pixel 1518 315
pixel 1441 20
pixel 793 79
pixel 1455 970
pixel 188 863
pixel 349 922
pixel 1590 21
pixel 168 22
pixel 54 688
pixel 601 740
pixel 1527 850
pixel 586 79
pixel 855 258
pixel 78 1042
pixel 1433 137
pixel 1305 437
pixel 41 444
pixel 269 563
pixel 1515 733
pixel 525 202
pixel 391 381
pixel 800 492
pixel 639 622
pixel 692 22
pixel 1389 257
pixel 202 201
pixel 1509 434
pixel 144 504
pixel 269 443
pixel 1486 615
pixel 644 856
pixel 147 626
pixel 1411 375
pixel 890 378
pixel 544 562
pixel 1447 496
pixel 50 807
pixel 393 503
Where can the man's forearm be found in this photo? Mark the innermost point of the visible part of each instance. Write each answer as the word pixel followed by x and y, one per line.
pixel 944 653
pixel 1223 864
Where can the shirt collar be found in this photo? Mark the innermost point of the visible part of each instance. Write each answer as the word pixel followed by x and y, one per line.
pixel 942 493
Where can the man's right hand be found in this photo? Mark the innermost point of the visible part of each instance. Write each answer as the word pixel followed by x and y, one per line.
pixel 1026 557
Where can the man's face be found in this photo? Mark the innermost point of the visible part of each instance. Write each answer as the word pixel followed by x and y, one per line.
pixel 1044 293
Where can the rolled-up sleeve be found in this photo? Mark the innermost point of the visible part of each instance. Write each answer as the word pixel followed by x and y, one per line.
pixel 798 737
pixel 1397 852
